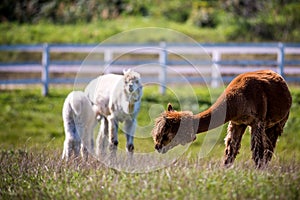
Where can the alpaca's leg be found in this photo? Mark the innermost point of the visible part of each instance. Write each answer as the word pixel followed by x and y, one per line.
pixel 65 154
pixel 70 131
pixel 258 143
pixel 89 139
pixel 85 132
pixel 76 144
pixel 113 137
pixel 113 130
pixel 272 135
pixel 69 149
pixel 85 147
pixel 72 139
pixel 92 139
pixel 233 142
pixel 84 152
pixel 102 138
pixel 92 145
pixel 129 143
pixel 71 145
pixel 129 128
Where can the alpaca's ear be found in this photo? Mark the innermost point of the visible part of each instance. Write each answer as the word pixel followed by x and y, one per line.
pixel 170 108
pixel 126 71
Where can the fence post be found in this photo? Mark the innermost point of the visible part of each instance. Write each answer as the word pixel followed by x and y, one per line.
pixel 280 59
pixel 108 56
pixel 45 69
pixel 163 57
pixel 216 57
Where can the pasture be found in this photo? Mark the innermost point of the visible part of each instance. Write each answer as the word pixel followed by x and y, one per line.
pixel 31 144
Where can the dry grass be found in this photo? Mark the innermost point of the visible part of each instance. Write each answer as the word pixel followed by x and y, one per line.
pixel 40 174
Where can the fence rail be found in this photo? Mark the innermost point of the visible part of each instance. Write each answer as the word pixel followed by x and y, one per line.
pixel 228 59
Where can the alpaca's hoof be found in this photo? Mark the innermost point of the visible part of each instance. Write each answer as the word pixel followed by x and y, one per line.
pixel 113 145
pixel 228 162
pixel 261 164
pixel 130 148
pixel 228 165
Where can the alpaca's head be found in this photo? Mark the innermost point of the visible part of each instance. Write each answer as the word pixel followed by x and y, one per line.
pixel 133 86
pixel 173 128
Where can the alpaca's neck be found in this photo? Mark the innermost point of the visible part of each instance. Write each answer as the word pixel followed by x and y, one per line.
pixel 213 117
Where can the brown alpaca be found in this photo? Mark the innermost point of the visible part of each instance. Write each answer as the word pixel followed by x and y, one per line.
pixel 258 99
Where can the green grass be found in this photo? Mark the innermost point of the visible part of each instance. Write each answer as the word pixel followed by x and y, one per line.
pixel 97 32
pixel 32 137
pixel 29 119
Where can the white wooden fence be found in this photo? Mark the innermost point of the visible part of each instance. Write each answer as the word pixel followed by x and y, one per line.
pixel 283 58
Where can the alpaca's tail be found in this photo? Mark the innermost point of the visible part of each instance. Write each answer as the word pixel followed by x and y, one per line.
pixel 76 103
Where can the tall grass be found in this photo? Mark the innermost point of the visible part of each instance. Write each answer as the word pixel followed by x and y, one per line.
pixel 32 174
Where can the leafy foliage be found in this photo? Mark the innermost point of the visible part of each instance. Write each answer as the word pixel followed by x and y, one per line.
pixel 263 20
pixel 241 20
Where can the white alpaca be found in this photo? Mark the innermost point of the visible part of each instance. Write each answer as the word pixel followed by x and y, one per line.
pixel 118 99
pixel 79 118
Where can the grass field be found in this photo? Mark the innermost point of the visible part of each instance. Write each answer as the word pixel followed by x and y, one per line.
pixel 96 32
pixel 31 139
